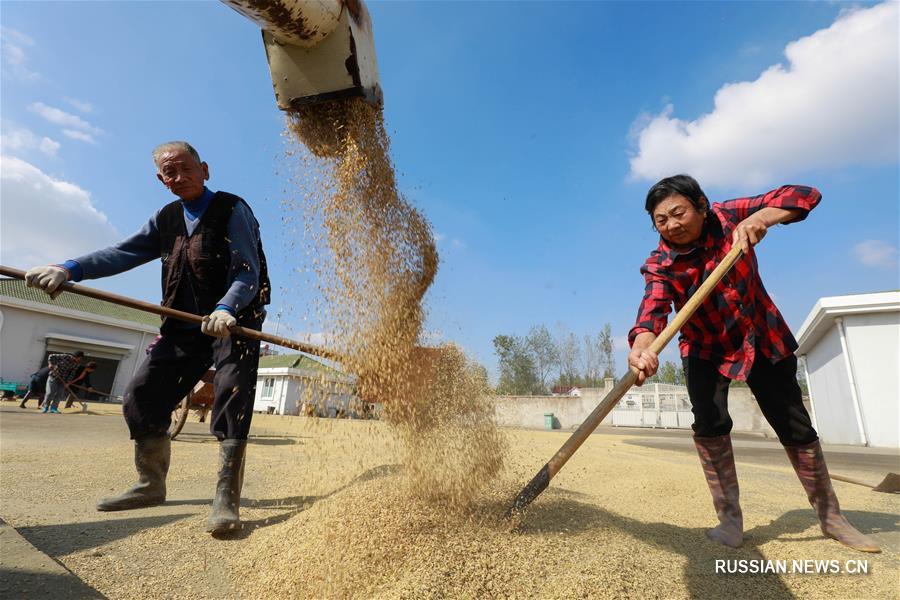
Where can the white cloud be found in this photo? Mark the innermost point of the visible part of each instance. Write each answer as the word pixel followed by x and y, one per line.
pixel 85 107
pixel 48 146
pixel 833 104
pixel 79 135
pixel 13 44
pixel 281 326
pixel 318 339
pixel 17 138
pixel 43 219
pixel 876 253
pixel 442 240
pixel 61 117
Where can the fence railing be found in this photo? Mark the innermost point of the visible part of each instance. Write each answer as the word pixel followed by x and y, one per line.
pixel 654 405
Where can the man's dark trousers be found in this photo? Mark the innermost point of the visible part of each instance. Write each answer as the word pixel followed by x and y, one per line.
pixel 177 362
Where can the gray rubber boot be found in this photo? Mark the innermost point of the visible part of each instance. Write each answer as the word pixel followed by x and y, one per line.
pixel 225 515
pixel 151 458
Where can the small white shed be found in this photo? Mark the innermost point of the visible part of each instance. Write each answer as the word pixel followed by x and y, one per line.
pixel 286 381
pixel 852 349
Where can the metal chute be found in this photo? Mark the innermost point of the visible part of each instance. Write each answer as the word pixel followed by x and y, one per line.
pixel 318 50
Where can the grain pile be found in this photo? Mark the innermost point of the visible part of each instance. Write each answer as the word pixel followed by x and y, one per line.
pixel 620 521
pixel 373 258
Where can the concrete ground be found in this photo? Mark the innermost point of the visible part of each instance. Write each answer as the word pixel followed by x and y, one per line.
pixel 53 468
pixel 865 464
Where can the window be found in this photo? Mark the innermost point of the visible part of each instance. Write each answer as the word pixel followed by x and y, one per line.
pixel 268 390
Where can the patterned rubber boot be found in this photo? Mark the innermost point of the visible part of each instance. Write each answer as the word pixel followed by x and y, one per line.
pixel 809 463
pixel 151 459
pixel 717 458
pixel 225 514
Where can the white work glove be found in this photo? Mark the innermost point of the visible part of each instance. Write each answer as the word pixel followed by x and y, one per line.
pixel 48 278
pixel 218 323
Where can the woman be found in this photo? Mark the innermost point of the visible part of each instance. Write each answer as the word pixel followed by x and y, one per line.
pixel 737 333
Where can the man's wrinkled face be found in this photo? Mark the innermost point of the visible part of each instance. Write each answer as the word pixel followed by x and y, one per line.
pixel 182 174
pixel 677 221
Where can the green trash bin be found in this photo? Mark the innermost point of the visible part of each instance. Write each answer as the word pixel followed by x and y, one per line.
pixel 548 420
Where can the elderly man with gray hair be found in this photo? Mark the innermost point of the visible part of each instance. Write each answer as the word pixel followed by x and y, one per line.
pixel 212 264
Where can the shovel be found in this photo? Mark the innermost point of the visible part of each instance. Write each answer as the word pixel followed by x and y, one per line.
pixel 889 485
pixel 540 481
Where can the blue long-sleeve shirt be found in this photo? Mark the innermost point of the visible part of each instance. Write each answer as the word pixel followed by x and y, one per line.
pixel 144 246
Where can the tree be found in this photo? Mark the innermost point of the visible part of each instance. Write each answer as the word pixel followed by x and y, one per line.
pixel 591 368
pixel 544 353
pixel 569 352
pixel 480 374
pixel 517 371
pixel 607 350
pixel 670 373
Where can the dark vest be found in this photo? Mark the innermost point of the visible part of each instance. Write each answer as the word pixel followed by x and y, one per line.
pixel 202 260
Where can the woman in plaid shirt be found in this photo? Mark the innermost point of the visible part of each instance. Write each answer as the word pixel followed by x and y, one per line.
pixel 737 333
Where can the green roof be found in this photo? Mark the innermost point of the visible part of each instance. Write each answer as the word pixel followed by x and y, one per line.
pixel 16 288
pixel 294 361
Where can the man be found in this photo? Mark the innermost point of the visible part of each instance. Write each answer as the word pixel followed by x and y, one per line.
pixel 737 333
pixel 37 386
pixel 63 367
pixel 81 386
pixel 212 264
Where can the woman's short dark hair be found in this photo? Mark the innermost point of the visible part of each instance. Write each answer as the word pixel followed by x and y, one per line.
pixel 682 185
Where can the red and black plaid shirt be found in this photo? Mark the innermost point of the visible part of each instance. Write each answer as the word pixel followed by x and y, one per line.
pixel 738 318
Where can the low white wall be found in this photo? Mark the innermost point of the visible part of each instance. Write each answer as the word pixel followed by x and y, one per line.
pixel 569 412
pixel 528 411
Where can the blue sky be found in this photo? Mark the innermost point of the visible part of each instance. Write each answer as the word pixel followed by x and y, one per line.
pixel 528 133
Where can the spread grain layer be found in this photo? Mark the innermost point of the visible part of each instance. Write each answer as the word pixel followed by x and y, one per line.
pixel 326 517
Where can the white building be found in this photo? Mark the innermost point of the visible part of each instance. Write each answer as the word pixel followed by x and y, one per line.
pixel 284 383
pixel 852 349
pixel 33 326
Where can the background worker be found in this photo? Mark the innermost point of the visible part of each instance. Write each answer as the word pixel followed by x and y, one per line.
pixel 737 333
pixel 37 386
pixel 63 367
pixel 212 264
pixel 81 385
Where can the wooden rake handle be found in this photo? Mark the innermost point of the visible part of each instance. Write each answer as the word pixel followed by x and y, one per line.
pixel 163 311
pixel 540 481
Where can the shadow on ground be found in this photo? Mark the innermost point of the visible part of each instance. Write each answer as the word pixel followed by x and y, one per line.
pixel 794 522
pixel 59 540
pixel 262 440
pixel 297 504
pixel 561 513
pixel 25 584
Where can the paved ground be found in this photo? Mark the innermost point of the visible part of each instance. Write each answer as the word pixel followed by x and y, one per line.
pixel 55 467
pixel 865 464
